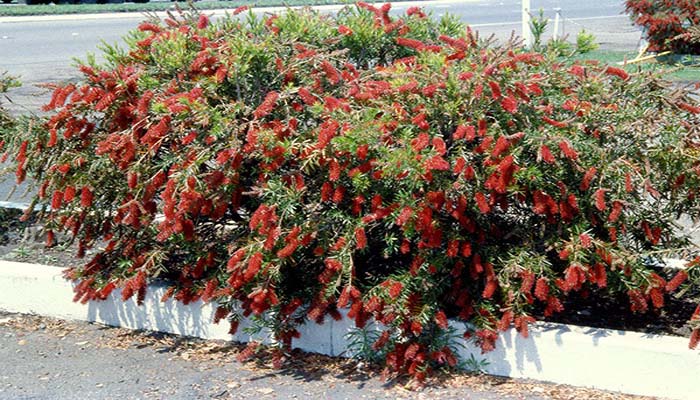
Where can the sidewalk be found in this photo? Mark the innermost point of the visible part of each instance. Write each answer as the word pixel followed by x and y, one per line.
pixel 46 358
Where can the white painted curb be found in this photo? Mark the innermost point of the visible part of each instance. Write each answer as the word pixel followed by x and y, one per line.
pixel 628 362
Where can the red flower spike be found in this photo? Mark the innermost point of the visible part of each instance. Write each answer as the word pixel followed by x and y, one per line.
pixel 618 72
pixel 587 178
pixel 482 203
pixel 546 155
pixel 676 281
pixel 360 238
pixel 203 21
pixel 599 198
pixel 240 9
pixel 441 320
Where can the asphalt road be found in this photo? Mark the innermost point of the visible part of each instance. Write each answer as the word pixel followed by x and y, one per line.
pixel 43 49
pixel 44 358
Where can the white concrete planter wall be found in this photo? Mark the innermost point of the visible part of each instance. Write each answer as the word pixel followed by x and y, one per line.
pixel 622 361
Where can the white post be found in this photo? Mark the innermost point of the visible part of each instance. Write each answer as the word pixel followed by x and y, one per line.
pixel 527 34
pixel 555 34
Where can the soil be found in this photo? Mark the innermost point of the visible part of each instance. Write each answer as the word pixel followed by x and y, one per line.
pixel 24 242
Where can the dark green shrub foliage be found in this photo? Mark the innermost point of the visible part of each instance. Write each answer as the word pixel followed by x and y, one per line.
pixel 669 24
pixel 299 164
pixel 6 121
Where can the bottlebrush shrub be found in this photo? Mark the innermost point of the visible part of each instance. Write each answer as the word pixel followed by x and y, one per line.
pixel 297 165
pixel 666 23
pixel 6 121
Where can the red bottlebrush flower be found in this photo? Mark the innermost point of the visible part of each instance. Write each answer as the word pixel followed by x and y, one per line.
pixel 495 90
pixel 362 151
pixel 326 191
pixel 53 138
pixel 267 105
pixel 483 127
pixel 420 121
pixel 528 281
pixel 132 180
pixel 564 254
pixel 86 197
pixel 57 200
pixel 360 238
pixel 694 339
pixel 567 150
pixel 254 265
pixel 409 87
pixel 617 207
pixel 332 74
pixel 542 289
pixel 381 341
pixel 465 76
pixel 587 178
pixel 466 132
pixel 441 320
pixel 439 145
pixel 598 275
pixel 619 72
pixel 395 289
pixel 50 238
pixel 578 71
pixel 404 216
pixel 553 306
pixel 69 194
pixel 202 22
pixel 555 123
pixel 333 265
pixel 149 27
pixel 307 97
pixel 657 297
pixel 417 11
pixel 333 170
pixel 546 155
pixel 490 288
pixel 105 101
pixel 221 74
pixel 436 163
pixel 412 43
pixel 585 240
pixel 505 321
pixel 338 194
pixel 482 203
pixel 637 301
pixel 687 107
pixel 510 104
pixel 676 281
pixel 420 142
pixel 240 9
pixel 344 30
pixel 599 198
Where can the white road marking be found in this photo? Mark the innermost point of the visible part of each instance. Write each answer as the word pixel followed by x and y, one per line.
pixel 569 19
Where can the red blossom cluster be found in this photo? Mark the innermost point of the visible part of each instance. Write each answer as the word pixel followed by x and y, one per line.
pixel 666 23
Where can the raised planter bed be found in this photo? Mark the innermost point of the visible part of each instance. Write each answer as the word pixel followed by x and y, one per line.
pixel 628 362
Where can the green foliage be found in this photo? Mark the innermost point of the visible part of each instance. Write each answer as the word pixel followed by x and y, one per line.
pixel 585 42
pixel 538 26
pixel 7 123
pixel 291 166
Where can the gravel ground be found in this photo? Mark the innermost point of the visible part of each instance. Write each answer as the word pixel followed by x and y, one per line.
pixel 45 358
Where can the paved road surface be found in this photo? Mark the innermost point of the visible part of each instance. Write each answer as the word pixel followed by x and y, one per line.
pixel 51 359
pixel 42 49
